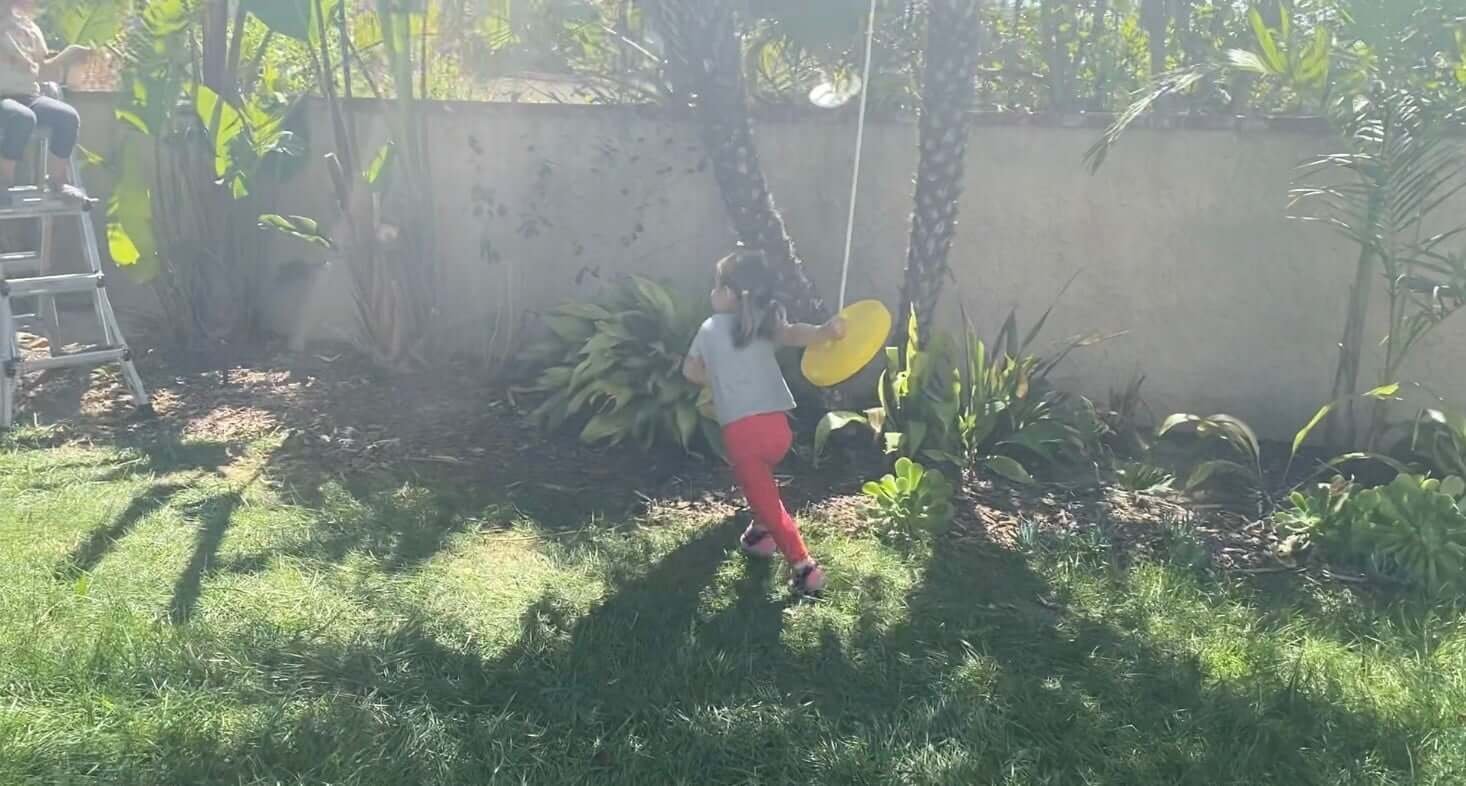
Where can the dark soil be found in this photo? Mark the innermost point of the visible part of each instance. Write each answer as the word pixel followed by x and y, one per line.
pixel 335 416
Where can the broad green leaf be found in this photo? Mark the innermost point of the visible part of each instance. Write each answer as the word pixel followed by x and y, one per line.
pixel 1313 66
pixel 570 329
pixel 905 469
pixel 590 311
pixel 1388 461
pixel 134 121
pixel 714 437
pixel 90 22
pixel 830 423
pixel 292 18
pixel 1383 392
pixel 298 227
pixel 705 405
pixel 1267 42
pixel 1207 470
pixel 656 298
pixel 224 124
pixel 379 173
pixel 1008 468
pixel 1238 433
pixel 130 238
pixel 1453 486
pixel 915 437
pixel 1180 418
pixel 1302 435
pixel 166 17
pixel 613 427
pixel 687 419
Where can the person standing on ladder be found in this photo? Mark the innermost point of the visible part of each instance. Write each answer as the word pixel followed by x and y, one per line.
pixel 23 54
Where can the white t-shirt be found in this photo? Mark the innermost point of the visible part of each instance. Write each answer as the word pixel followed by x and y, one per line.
pixel 745 381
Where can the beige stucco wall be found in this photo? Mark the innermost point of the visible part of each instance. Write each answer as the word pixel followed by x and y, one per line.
pixel 1180 242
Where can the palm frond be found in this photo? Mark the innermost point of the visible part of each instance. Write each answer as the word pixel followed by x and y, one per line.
pixel 1173 83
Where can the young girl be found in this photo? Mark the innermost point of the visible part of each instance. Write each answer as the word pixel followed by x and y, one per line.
pixel 734 355
pixel 23 54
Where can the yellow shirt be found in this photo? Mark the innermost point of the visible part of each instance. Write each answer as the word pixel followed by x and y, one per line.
pixel 22 53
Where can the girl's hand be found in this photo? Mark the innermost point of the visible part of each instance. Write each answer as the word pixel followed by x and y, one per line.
pixel 834 330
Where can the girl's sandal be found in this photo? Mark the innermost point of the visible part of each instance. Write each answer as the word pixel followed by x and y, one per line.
pixel 757 543
pixel 808 580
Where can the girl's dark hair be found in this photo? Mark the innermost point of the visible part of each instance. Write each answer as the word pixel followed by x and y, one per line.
pixel 759 314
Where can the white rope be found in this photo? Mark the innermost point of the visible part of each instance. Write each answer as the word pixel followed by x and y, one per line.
pixel 870 37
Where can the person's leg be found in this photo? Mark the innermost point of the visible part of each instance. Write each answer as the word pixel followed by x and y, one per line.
pixel 65 126
pixel 755 446
pixel 17 125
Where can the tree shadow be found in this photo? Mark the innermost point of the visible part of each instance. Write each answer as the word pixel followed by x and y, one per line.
pixel 653 684
pixel 213 516
pixel 1093 692
pixel 159 455
pixel 1065 696
pixel 376 517
pixel 97 545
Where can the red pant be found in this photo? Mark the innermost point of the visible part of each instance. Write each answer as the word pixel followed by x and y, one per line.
pixel 756 444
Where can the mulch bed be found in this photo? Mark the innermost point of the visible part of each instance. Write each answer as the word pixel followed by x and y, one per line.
pixel 337 416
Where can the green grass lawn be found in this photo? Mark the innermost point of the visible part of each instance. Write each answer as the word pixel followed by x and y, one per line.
pixel 177 615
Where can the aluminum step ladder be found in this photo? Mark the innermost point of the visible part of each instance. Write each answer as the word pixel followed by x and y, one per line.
pixel 27 276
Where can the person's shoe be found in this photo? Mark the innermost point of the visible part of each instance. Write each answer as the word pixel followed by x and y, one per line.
pixel 809 579
pixel 757 542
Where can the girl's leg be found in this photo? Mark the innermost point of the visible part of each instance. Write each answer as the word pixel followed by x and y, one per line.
pixel 17 125
pixel 65 125
pixel 756 445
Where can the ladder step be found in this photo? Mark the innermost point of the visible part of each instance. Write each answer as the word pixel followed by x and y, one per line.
pixel 54 285
pixel 97 356
pixel 34 203
pixel 20 264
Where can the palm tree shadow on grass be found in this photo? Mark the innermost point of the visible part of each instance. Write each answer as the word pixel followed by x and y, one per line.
pixel 159 455
pixel 371 518
pixel 90 552
pixel 1077 695
pixel 213 517
pixel 653 685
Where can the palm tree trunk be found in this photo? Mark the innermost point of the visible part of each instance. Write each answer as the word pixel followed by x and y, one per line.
pixel 1099 54
pixel 951 67
pixel 1155 17
pixel 704 62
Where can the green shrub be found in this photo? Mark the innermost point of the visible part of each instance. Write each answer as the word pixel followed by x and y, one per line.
pixel 1414 528
pixel 911 502
pixel 613 368
pixel 1140 476
pixel 1438 440
pixel 972 408
pixel 1236 439
pixel 1320 513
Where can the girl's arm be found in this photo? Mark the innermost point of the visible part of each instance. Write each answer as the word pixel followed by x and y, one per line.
pixel 695 370
pixel 802 335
